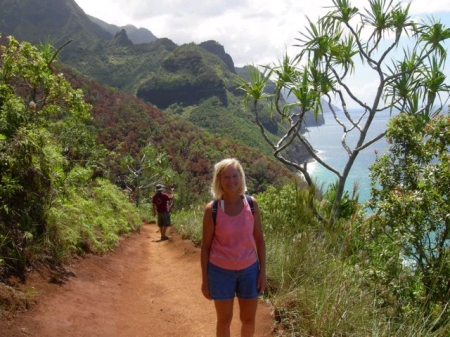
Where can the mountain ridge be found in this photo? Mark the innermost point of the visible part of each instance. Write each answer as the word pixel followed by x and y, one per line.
pixel 136 35
pixel 194 82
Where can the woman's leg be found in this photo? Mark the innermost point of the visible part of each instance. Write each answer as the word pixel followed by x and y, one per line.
pixel 247 309
pixel 224 312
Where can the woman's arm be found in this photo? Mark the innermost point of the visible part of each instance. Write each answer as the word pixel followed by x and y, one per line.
pixel 260 247
pixel 207 237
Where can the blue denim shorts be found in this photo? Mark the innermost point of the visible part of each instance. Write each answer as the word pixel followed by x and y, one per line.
pixel 225 284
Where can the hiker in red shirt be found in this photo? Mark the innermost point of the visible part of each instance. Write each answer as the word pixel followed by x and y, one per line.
pixel 161 205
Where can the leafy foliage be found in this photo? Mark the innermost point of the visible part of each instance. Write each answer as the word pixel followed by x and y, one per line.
pixel 46 146
pixel 411 200
pixel 348 204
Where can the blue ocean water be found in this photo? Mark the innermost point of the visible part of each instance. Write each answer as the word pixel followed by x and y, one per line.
pixel 326 139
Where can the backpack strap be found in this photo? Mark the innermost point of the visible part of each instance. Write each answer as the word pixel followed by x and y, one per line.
pixel 214 210
pixel 216 203
pixel 250 203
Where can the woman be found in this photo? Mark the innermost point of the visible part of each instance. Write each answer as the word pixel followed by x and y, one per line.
pixel 233 250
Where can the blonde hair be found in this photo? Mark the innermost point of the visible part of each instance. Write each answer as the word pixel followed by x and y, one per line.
pixel 216 188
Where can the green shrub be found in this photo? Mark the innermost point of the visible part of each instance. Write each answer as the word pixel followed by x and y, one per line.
pixel 90 219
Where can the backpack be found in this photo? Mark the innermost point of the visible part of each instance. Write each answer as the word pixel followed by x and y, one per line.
pixel 216 203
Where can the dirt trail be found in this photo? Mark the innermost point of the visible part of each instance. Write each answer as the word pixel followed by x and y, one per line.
pixel 144 288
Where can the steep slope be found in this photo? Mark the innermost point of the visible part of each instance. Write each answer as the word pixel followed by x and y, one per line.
pixel 125 124
pixel 57 20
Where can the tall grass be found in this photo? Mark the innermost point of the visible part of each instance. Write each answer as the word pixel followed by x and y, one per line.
pixel 309 285
pixel 189 224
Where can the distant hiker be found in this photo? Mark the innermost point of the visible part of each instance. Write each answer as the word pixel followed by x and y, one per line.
pixel 161 205
pixel 233 249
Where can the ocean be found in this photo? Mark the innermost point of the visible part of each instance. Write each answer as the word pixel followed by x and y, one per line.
pixel 326 140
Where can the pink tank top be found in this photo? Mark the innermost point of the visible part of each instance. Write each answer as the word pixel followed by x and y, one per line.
pixel 233 246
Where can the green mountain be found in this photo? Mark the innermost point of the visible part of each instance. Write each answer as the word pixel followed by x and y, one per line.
pixel 59 20
pixel 193 82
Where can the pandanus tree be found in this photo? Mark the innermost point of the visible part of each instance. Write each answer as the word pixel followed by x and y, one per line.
pixel 404 58
pixel 145 171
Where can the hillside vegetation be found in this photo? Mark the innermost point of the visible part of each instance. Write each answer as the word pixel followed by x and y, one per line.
pixel 55 199
pixel 126 124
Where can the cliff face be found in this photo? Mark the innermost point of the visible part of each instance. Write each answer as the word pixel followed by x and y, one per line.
pixel 159 73
pixel 215 48
pixel 187 76
pixel 185 92
pixel 121 38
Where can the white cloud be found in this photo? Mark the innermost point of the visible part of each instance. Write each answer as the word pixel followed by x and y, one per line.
pixel 252 31
pixel 429 6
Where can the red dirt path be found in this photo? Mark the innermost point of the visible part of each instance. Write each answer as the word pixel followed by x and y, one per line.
pixel 144 288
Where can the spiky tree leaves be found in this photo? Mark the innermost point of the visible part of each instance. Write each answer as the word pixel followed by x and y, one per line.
pixel 145 171
pixel 405 59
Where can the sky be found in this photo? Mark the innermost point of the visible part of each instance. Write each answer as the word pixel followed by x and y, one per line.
pixel 256 32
